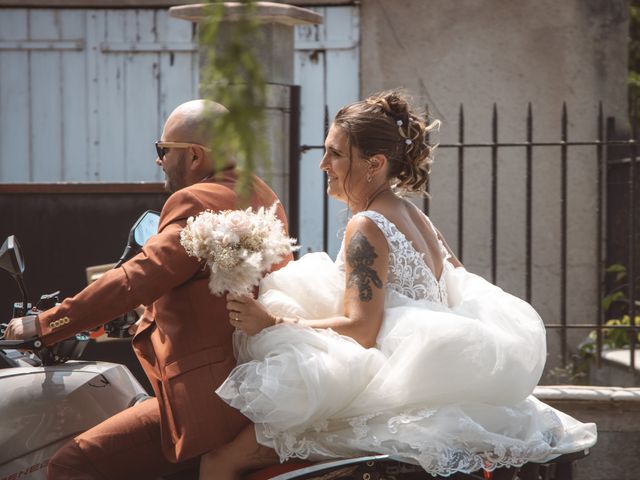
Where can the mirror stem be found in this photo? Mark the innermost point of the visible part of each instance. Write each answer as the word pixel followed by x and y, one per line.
pixel 23 291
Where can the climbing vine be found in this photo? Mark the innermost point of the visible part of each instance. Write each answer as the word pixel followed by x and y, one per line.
pixel 232 75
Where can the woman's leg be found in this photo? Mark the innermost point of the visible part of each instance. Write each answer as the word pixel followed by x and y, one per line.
pixel 236 457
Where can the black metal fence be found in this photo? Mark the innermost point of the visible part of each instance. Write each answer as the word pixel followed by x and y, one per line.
pixel 616 184
pixel 608 151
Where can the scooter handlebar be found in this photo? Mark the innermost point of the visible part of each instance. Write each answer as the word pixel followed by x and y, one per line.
pixel 69 349
pixel 29 344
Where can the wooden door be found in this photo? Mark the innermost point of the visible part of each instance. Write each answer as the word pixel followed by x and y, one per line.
pixel 84 93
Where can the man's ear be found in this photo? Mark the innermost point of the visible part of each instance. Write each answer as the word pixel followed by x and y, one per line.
pixel 197 158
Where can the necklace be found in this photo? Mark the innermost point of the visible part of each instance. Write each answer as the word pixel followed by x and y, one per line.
pixel 376 194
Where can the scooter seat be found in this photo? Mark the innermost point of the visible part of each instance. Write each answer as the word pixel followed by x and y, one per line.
pixel 273 470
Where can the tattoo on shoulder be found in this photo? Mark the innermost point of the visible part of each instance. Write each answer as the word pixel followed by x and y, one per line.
pixel 360 256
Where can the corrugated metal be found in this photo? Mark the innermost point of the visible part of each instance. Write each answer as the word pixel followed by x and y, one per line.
pixel 84 93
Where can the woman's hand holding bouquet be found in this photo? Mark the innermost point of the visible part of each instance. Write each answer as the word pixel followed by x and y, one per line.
pixel 239 247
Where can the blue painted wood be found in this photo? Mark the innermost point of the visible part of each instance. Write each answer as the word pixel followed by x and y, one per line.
pixel 84 93
pixel 327 66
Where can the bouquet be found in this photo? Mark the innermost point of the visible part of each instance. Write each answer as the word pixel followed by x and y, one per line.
pixel 239 246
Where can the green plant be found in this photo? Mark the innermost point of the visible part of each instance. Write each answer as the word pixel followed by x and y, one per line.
pixel 232 75
pixel 616 304
pixel 611 337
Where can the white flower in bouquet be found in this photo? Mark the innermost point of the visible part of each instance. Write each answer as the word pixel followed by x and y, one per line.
pixel 239 246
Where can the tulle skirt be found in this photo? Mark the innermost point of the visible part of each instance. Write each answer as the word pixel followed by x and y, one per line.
pixel 448 387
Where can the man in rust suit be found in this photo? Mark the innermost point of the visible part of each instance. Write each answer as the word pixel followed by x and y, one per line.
pixel 183 339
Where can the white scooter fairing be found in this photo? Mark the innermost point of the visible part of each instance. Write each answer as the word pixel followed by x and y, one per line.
pixel 41 408
pixel 48 396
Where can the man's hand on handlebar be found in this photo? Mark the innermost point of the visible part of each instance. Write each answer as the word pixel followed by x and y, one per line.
pixel 21 328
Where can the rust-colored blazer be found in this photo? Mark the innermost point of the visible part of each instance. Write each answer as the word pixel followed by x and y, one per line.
pixel 184 338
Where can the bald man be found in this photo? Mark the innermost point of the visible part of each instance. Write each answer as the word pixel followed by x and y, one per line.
pixel 183 339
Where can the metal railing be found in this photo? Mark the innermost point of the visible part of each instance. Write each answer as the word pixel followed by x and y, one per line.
pixel 602 145
pixel 608 151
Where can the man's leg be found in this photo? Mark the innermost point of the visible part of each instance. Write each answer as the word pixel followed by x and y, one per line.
pixel 125 446
pixel 243 453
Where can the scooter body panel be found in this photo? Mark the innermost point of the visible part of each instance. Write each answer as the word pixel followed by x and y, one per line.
pixel 32 466
pixel 42 407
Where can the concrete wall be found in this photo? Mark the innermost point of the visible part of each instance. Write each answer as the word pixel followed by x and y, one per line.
pixel 481 52
pixel 616 413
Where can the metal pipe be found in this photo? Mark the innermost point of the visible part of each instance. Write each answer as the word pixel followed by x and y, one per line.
pixel 461 183
pixel 586 325
pixel 294 161
pixel 631 269
pixel 426 202
pixel 494 195
pixel 325 196
pixel 537 144
pixel 529 210
pixel 600 247
pixel 304 148
pixel 563 233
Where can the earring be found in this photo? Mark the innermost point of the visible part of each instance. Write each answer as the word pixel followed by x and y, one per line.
pixel 369 176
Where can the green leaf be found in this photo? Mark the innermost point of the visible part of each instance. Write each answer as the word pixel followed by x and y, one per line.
pixel 617 268
pixel 608 300
pixel 232 75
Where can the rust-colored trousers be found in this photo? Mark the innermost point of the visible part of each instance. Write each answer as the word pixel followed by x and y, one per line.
pixel 125 446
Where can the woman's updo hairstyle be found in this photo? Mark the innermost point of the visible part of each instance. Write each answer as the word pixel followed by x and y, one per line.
pixel 385 124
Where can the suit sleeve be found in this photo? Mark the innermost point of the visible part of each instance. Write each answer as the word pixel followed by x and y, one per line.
pixel 162 265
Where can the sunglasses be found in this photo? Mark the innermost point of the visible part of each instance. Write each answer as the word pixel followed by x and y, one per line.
pixel 163 147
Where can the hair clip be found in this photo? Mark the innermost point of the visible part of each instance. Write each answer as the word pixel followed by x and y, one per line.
pixel 399 123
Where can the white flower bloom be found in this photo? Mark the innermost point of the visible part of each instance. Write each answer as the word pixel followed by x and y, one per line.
pixel 238 246
pixel 238 222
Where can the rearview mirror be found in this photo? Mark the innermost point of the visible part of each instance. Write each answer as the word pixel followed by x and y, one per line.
pixel 145 227
pixel 12 261
pixel 11 258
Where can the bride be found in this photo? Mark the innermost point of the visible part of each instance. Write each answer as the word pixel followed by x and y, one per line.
pixel 395 348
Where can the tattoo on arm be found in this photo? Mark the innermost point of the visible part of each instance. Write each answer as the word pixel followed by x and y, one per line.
pixel 360 256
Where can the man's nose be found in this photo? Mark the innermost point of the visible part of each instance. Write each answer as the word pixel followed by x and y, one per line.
pixel 158 162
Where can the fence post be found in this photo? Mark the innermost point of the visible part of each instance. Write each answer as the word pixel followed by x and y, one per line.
pixel 294 161
pixel 461 183
pixel 563 233
pixel 494 195
pixel 631 272
pixel 601 248
pixel 529 180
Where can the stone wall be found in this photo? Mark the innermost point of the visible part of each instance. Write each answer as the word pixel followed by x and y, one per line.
pixel 616 413
pixel 481 52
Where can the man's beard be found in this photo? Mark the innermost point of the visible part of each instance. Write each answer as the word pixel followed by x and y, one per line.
pixel 177 179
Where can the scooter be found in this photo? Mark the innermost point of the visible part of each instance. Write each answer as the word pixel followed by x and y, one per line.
pixel 386 467
pixel 48 395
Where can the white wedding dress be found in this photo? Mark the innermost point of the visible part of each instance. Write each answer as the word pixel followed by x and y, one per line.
pixel 448 386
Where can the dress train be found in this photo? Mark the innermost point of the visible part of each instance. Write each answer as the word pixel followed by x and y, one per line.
pixel 448 388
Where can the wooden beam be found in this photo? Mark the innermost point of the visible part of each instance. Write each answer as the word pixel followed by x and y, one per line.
pixel 82 187
pixel 147 3
pixel 93 3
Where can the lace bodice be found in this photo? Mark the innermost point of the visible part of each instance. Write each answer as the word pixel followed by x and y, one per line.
pixel 408 273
